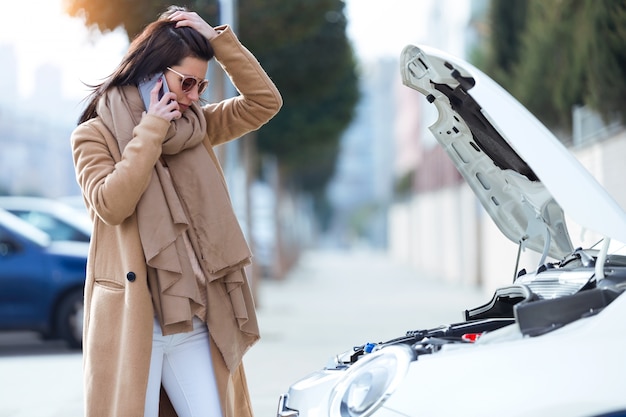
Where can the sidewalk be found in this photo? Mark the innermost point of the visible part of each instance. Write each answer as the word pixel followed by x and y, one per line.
pixel 333 301
pixel 330 302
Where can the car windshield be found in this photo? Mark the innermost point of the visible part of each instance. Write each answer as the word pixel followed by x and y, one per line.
pixel 59 220
pixel 16 225
pixel 53 226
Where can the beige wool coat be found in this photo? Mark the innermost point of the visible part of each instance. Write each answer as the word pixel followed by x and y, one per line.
pixel 119 311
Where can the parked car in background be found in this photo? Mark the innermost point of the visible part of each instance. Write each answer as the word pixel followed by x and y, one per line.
pixel 552 342
pixel 41 281
pixel 59 220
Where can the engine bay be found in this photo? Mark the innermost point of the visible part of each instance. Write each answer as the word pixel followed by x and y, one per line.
pixel 545 300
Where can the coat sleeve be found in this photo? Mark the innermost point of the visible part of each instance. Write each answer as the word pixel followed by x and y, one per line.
pixel 258 100
pixel 111 183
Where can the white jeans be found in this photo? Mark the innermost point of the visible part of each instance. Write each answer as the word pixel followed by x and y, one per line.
pixel 182 363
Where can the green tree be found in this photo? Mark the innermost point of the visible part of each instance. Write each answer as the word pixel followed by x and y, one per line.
pixel 507 19
pixel 550 77
pixel 606 64
pixel 560 54
pixel 312 63
pixel 132 15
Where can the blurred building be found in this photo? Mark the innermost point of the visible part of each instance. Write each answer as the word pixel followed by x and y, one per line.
pixel 361 188
pixel 8 81
pixel 389 140
pixel 35 155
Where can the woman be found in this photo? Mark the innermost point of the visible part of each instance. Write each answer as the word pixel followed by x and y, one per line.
pixel 168 310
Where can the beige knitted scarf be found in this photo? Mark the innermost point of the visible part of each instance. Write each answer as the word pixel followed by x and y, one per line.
pixel 192 199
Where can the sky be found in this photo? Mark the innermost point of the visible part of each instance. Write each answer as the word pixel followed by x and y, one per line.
pixel 51 37
pixel 382 28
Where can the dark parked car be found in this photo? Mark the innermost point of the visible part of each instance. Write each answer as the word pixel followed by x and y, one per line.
pixel 41 281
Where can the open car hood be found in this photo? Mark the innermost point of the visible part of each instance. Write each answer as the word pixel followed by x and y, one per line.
pixel 522 174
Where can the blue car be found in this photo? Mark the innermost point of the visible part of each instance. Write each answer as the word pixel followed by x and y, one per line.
pixel 41 282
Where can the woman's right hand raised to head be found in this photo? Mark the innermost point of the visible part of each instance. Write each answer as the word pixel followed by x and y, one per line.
pixel 165 108
pixel 193 20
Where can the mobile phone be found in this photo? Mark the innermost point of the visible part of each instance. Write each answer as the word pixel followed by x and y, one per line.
pixel 148 83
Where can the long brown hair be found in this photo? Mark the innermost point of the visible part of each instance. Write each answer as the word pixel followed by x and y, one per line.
pixel 160 45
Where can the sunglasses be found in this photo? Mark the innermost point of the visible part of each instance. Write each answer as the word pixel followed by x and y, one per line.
pixel 188 82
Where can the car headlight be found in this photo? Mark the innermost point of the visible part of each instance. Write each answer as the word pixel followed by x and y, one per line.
pixel 369 382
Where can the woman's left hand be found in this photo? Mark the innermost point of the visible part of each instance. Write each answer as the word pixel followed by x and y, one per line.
pixel 193 20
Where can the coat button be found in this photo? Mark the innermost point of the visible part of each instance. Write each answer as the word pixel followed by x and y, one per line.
pixel 131 276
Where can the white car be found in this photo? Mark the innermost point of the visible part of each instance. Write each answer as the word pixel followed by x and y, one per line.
pixel 61 221
pixel 553 343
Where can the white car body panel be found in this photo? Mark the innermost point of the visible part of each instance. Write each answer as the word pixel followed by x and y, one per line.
pixel 569 372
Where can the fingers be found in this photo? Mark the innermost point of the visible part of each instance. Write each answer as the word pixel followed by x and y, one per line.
pixel 168 98
pixel 167 107
pixel 174 115
pixel 170 107
pixel 193 20
pixel 186 18
pixel 154 93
